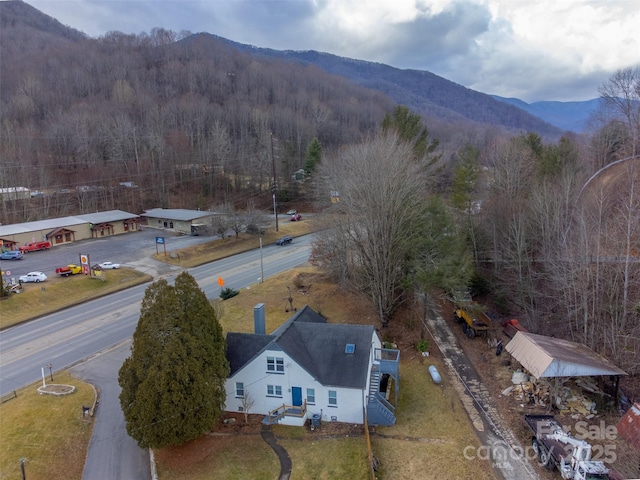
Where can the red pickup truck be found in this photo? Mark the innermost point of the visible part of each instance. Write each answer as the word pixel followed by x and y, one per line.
pixel 35 246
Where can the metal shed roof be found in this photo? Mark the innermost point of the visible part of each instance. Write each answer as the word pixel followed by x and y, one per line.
pixel 553 357
pixel 52 223
pixel 177 214
pixel 629 426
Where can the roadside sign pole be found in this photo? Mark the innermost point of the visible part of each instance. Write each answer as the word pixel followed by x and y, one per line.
pixel 261 263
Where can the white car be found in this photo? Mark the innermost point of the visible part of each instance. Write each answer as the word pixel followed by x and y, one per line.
pixel 35 277
pixel 109 265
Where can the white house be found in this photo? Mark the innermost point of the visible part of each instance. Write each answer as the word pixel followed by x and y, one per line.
pixel 311 369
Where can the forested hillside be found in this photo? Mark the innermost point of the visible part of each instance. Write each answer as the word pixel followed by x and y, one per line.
pixel 191 124
pixel 422 91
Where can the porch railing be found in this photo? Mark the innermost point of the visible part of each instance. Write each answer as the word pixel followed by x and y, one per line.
pixel 288 410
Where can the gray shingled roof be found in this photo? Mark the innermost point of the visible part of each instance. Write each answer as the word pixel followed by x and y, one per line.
pixel 315 345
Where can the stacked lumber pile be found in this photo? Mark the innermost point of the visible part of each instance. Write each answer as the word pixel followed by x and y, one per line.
pixel 574 398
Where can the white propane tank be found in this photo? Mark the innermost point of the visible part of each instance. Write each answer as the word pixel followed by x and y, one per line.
pixel 435 375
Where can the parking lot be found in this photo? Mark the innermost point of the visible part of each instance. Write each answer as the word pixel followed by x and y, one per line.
pixel 133 249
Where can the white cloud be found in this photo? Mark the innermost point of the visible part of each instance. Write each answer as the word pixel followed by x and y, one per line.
pixel 535 50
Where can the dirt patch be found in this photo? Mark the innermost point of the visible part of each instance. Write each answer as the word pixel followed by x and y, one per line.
pixel 234 423
pixel 57 389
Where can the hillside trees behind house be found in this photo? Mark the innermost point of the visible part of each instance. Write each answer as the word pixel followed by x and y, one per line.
pixel 173 382
pixel 519 216
pixel 383 212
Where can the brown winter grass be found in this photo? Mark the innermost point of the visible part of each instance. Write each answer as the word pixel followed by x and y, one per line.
pixel 56 293
pixel 431 432
pixel 427 441
pixel 221 248
pixel 47 431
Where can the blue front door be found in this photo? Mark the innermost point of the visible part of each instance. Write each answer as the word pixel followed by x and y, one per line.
pixel 296 396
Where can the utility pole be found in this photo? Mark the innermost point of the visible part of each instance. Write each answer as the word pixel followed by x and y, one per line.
pixel 275 184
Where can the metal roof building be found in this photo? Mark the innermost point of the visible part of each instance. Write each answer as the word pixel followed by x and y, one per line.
pixel 177 219
pixel 553 357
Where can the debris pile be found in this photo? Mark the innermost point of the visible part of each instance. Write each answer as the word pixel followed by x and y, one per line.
pixel 569 397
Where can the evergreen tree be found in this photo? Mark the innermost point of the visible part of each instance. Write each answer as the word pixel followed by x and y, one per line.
pixel 409 128
pixel 173 382
pixel 314 153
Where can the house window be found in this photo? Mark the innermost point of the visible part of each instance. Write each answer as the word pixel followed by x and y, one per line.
pixel 239 390
pixel 333 398
pixel 274 391
pixel 275 364
pixel 311 396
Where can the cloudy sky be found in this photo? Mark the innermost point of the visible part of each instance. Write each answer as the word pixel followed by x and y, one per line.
pixel 529 49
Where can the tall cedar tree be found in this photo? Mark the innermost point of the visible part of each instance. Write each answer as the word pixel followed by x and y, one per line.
pixel 173 382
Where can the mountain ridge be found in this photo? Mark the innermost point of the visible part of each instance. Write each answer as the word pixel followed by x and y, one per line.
pixel 420 90
pixel 572 116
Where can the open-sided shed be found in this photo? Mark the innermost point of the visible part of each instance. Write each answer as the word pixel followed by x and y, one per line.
pixel 548 357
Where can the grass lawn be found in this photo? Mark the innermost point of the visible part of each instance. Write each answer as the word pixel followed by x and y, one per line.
pixel 221 248
pixel 58 293
pixel 328 458
pixel 48 431
pixel 235 457
pixel 431 431
pixel 427 442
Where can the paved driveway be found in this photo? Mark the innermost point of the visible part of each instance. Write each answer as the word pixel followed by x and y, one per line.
pixel 111 454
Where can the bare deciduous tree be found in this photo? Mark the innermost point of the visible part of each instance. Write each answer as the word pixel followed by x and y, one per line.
pixel 247 403
pixel 380 186
pixel 621 94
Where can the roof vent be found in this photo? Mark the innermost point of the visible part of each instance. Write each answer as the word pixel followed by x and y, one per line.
pixel 350 348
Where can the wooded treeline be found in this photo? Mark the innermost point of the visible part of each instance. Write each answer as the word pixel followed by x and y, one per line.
pixel 187 119
pixel 547 232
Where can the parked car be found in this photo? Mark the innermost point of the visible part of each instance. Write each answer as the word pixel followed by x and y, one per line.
pixel 284 240
pixel 296 217
pixel 12 255
pixel 35 277
pixel 108 265
pixel 292 212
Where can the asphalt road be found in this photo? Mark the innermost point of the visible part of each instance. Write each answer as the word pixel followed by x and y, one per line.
pixel 67 337
pixel 94 338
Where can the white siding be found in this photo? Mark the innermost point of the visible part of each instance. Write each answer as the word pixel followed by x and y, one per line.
pixel 255 378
